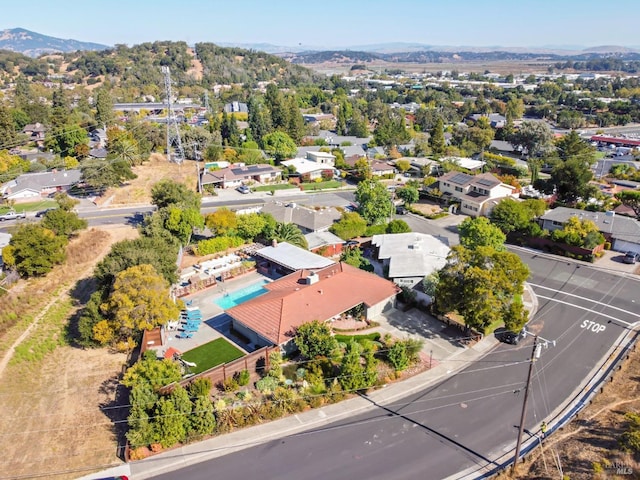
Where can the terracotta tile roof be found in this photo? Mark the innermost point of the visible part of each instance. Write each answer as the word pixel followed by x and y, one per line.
pixel 292 302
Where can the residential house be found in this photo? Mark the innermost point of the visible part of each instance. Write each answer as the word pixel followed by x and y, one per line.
pixel 324 243
pixel 623 232
pixel 410 256
pixel 474 166
pixel 380 169
pixel 347 151
pixel 315 165
pixel 35 185
pixel 495 119
pixel 379 152
pixel 282 258
pixel 308 219
pixel 477 194
pixel 308 295
pixel 35 132
pixel 236 175
pixel 236 107
pixel 334 140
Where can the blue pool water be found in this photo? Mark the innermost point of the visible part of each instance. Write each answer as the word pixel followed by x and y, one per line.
pixel 240 296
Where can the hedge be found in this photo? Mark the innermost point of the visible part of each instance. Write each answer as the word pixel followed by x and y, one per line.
pixel 218 244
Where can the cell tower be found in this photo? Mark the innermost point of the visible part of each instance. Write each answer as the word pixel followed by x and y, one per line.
pixel 173 131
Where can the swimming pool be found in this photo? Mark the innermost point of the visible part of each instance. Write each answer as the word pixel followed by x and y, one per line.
pixel 237 297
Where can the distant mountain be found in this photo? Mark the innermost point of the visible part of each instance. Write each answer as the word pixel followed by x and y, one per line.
pixel 35 44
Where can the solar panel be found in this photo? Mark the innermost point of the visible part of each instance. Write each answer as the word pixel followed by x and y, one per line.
pixel 460 178
pixel 486 182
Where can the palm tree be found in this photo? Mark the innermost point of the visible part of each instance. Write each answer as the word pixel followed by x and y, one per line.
pixel 290 233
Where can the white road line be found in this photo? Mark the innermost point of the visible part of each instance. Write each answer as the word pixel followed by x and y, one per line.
pixel 587 299
pixel 587 309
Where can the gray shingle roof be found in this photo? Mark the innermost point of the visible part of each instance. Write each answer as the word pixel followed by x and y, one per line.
pixel 620 227
pixel 320 239
pixel 306 218
pixel 44 180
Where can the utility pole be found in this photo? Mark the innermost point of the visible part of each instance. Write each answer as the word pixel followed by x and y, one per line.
pixel 535 354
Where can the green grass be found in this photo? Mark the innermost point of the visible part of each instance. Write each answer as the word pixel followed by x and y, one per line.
pixel 374 337
pixel 321 185
pixel 211 354
pixel 268 188
pixel 30 207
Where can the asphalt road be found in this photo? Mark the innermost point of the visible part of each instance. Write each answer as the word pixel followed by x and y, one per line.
pixel 133 215
pixel 471 419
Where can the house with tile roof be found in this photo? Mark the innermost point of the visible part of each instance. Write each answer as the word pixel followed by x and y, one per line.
pixel 307 295
pixel 477 194
pixel 623 232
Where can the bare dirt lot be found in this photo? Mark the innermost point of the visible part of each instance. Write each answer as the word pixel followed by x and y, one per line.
pixel 588 447
pixel 426 207
pixel 52 423
pixel 151 172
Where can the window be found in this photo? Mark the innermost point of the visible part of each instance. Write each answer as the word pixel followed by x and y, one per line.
pixel 556 223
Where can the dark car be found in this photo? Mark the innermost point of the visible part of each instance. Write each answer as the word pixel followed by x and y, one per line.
pixel 630 257
pixel 42 213
pixel 401 210
pixel 512 338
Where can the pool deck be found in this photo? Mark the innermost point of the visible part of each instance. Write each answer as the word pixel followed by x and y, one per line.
pixel 215 323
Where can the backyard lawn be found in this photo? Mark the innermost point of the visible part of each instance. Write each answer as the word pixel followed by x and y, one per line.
pixel 211 354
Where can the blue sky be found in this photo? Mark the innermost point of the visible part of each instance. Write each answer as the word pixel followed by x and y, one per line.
pixel 330 23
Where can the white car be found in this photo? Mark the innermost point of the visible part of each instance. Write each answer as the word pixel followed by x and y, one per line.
pixel 12 215
pixel 243 189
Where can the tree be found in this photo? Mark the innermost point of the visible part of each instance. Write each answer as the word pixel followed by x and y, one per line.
pixel 295 122
pixel 139 301
pixel 222 222
pixel 436 138
pixel 362 169
pixel 480 284
pixel 130 253
pixel 579 232
pixel 354 257
pixel 631 199
pixel 168 192
pixel 391 129
pixel 398 226
pixel 535 139
pixel 403 165
pixel 514 109
pixel 7 129
pixel 510 216
pixel 250 225
pixel 350 225
pixel 315 339
pixel 102 174
pixel 63 140
pixel 572 145
pixel 571 179
pixel 180 222
pixel 409 195
pixel 480 232
pixel 351 371
pixel 290 233
pixel 63 222
pixel 280 145
pixel 259 119
pixel 104 107
pixel 34 250
pixel 374 200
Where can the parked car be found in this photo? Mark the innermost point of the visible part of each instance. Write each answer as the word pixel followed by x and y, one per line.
pixel 630 257
pixel 400 210
pixel 42 213
pixel 243 189
pixel 512 338
pixel 12 215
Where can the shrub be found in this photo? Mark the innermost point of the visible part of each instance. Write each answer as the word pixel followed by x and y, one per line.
pixel 375 230
pixel 218 244
pixel 267 384
pixel 243 377
pixel 230 385
pixel 398 356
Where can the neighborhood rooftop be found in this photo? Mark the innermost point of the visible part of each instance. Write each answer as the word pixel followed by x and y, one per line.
pixel 292 257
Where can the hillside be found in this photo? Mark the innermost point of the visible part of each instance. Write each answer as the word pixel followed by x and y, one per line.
pixel 35 44
pixel 134 69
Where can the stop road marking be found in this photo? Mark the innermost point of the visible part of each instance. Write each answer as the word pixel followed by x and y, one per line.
pixel 593 326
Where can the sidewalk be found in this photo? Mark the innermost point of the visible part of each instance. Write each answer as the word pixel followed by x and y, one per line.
pixel 451 361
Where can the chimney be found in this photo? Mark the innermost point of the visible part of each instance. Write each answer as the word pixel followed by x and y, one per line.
pixel 312 278
pixel 274 243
